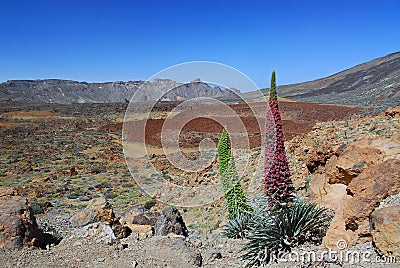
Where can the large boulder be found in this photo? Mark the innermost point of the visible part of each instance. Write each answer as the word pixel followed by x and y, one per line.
pixel 385 225
pixel 99 210
pixel 139 219
pixel 171 221
pixel 140 216
pixel 367 190
pixel 351 161
pixel 100 232
pixel 18 226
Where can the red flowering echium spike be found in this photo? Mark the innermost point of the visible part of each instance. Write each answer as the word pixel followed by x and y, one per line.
pixel 278 185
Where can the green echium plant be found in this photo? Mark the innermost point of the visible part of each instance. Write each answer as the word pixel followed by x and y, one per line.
pixel 224 151
pixel 234 195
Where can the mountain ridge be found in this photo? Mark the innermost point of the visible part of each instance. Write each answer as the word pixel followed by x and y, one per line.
pixel 374 84
pixel 70 91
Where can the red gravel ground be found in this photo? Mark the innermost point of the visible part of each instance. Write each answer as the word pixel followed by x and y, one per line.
pixel 298 118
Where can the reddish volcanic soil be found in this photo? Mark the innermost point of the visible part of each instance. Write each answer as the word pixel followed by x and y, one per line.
pixel 298 118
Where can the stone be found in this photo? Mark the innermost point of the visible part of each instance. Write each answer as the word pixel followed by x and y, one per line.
pixel 171 221
pixel 317 187
pixel 175 236
pixel 97 210
pixel 385 230
pixel 214 254
pixel 140 228
pixel 354 159
pixel 368 189
pixel 18 226
pixel 100 232
pixel 139 215
pixel 393 112
pixel 335 199
pixel 318 158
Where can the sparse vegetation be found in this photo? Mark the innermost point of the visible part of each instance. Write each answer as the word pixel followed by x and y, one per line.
pixel 149 204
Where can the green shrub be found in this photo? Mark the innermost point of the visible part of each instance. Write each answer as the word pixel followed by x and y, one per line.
pixel 73 195
pixel 149 204
pixel 103 184
pixel 37 209
pixel 95 170
pixel 224 151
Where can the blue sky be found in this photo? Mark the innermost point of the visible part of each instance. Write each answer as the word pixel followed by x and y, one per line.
pixel 131 40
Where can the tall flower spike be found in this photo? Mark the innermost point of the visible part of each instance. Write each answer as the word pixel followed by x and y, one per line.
pixel 234 195
pixel 278 185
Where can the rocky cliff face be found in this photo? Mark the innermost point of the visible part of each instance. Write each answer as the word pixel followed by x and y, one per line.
pixel 352 167
pixel 67 91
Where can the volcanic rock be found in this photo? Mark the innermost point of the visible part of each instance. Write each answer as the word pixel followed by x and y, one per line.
pixel 385 224
pixel 18 226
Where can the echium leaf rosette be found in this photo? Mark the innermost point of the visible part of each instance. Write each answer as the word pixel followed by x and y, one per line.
pixel 278 185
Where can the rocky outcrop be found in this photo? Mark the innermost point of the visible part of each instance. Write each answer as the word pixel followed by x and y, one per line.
pixel 100 232
pixel 140 216
pixel 334 199
pixel 18 226
pixel 367 190
pixel 385 230
pixel 171 221
pixel 140 220
pixel 353 167
pixel 318 158
pixel 99 210
pixel 350 161
pixel 393 112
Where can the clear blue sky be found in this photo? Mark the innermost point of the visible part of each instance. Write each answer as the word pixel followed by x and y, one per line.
pixel 132 40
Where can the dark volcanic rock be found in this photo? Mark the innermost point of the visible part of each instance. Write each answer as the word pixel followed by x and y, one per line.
pixel 18 226
pixel 171 221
